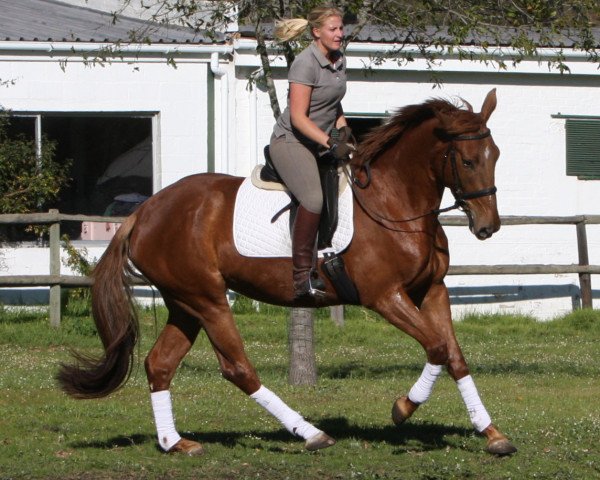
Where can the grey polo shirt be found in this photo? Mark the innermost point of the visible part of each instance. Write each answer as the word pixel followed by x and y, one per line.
pixel 312 68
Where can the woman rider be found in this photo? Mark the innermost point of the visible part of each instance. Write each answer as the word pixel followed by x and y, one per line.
pixel 317 84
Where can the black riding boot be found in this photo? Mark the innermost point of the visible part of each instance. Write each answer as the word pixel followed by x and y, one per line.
pixel 304 235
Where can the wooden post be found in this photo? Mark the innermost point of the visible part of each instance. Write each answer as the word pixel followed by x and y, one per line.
pixel 337 315
pixel 303 370
pixel 585 280
pixel 54 310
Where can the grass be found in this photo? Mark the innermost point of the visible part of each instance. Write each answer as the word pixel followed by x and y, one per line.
pixel 539 382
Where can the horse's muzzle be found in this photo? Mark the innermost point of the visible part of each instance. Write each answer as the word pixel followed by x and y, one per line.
pixel 483 223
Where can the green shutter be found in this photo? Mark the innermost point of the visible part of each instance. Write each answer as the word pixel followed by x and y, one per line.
pixel 583 148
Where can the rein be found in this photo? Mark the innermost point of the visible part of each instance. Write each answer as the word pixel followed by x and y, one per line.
pixel 459 195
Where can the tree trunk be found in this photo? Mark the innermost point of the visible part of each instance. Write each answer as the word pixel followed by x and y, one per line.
pixel 303 370
pixel 261 49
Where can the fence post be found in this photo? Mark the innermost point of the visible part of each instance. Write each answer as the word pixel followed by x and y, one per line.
pixel 54 310
pixel 585 279
pixel 337 314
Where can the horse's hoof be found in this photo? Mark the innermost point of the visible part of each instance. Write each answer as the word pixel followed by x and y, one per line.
pixel 319 441
pixel 501 447
pixel 497 443
pixel 402 410
pixel 188 447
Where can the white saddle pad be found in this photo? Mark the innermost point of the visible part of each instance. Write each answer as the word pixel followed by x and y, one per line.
pixel 256 236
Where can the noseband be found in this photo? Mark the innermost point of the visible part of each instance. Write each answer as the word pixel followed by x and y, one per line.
pixel 459 195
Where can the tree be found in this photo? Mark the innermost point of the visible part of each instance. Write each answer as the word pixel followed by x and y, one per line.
pixel 29 180
pixel 435 27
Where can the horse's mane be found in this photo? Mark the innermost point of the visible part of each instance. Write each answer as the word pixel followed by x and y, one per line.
pixel 382 137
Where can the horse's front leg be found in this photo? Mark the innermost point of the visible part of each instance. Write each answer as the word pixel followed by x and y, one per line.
pixel 431 326
pixel 401 312
pixel 436 307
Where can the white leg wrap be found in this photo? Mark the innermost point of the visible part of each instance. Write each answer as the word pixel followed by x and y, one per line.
pixel 421 390
pixel 477 412
pixel 290 419
pixel 163 417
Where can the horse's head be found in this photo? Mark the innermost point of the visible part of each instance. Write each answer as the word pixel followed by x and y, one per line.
pixel 469 164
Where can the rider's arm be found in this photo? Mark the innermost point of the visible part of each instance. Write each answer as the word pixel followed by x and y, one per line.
pixel 341 119
pixel 299 105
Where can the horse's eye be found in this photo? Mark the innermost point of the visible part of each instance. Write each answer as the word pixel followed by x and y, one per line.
pixel 467 163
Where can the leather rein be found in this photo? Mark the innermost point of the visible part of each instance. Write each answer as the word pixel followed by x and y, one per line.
pixel 460 196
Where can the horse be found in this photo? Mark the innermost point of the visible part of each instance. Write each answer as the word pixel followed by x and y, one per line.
pixel 181 241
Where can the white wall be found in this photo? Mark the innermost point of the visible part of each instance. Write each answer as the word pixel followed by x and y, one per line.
pixel 531 176
pixel 177 96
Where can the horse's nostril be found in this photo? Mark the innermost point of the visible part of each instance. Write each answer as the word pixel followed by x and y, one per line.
pixel 485 233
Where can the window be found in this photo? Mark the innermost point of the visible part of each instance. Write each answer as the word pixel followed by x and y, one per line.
pixel 583 147
pixel 361 123
pixel 110 155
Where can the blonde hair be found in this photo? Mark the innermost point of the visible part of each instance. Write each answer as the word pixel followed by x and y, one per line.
pixel 292 28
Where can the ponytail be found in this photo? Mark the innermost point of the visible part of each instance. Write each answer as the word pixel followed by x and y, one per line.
pixel 293 28
pixel 290 29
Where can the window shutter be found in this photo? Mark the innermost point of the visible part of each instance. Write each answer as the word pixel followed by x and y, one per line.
pixel 583 148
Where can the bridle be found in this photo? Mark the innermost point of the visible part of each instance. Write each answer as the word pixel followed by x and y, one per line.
pixel 460 196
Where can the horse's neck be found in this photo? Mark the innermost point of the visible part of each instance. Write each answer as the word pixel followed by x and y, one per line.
pixel 408 171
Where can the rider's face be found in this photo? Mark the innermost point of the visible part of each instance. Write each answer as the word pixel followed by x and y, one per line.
pixel 330 35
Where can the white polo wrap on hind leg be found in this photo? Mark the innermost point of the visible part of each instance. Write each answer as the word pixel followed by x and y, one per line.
pixel 290 419
pixel 421 390
pixel 163 417
pixel 477 412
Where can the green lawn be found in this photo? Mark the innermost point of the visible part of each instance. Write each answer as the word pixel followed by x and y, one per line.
pixel 539 381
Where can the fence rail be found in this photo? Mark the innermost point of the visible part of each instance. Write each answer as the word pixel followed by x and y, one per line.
pixel 55 280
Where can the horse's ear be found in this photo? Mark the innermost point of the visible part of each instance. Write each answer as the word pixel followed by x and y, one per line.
pixel 489 104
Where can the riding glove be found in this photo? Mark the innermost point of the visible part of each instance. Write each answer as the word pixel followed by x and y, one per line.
pixel 339 149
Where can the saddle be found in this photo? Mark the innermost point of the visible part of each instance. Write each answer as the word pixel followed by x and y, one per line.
pixel 328 171
pixel 333 265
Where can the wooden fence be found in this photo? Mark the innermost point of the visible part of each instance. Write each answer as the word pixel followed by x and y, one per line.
pixel 55 280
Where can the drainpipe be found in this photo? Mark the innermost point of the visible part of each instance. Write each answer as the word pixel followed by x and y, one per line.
pixel 253 111
pixel 222 75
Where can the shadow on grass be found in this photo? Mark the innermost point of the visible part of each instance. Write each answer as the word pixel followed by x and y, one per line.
pixel 423 437
pixel 350 369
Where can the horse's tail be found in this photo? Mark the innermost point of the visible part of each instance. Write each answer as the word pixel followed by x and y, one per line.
pixel 116 322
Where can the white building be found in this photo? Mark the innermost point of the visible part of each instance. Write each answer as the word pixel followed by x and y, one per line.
pixel 201 116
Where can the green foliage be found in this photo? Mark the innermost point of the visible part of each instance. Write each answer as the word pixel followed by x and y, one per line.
pixel 525 25
pixel 27 183
pixel 77 301
pixel 435 27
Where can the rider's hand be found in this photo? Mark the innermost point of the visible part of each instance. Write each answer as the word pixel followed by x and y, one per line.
pixel 345 135
pixel 339 149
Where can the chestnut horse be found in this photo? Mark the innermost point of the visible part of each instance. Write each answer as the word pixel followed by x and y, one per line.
pixel 181 241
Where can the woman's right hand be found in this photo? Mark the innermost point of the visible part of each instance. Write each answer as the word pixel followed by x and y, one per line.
pixel 340 150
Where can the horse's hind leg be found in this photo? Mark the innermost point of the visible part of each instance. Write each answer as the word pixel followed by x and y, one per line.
pixel 162 361
pixel 236 367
